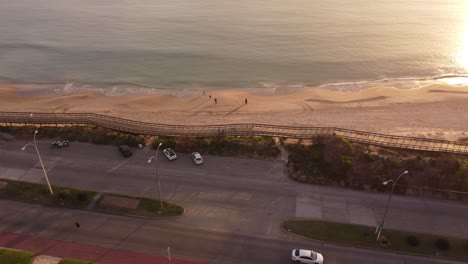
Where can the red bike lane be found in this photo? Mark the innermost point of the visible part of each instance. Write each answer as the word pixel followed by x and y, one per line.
pixel 63 249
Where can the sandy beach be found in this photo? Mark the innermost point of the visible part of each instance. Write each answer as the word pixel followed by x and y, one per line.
pixel 434 111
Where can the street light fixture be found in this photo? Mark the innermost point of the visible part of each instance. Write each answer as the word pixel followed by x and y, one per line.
pixel 157 173
pixel 380 227
pixel 40 159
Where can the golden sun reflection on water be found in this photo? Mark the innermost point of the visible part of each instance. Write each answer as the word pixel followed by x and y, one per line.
pixel 462 57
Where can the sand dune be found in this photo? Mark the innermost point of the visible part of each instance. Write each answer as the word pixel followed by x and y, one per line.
pixel 436 111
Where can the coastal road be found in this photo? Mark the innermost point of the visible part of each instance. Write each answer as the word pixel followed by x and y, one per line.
pixel 248 198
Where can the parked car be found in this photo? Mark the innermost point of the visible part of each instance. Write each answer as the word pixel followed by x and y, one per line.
pixel 59 144
pixel 125 150
pixel 306 256
pixel 197 158
pixel 170 154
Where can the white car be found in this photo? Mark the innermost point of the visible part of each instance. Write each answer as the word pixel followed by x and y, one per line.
pixel 170 154
pixel 197 158
pixel 306 256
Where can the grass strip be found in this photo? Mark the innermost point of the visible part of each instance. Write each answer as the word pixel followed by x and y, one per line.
pixel 14 256
pixel 74 261
pixel 358 235
pixel 73 198
pixel 39 193
pixel 146 207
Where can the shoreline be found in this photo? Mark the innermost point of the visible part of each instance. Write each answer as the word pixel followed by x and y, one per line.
pixel 434 111
pixel 262 87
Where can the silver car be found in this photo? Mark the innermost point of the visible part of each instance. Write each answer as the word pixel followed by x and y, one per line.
pixel 197 158
pixel 306 256
pixel 170 154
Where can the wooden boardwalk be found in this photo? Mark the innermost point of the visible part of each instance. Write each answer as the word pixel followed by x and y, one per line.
pixel 243 129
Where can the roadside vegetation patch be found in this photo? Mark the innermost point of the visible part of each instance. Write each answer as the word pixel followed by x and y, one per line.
pixel 137 206
pixel 332 160
pixel 91 134
pixel 14 256
pixel 253 147
pixel 74 261
pixel 39 193
pixel 73 198
pixel 262 147
pixel 365 236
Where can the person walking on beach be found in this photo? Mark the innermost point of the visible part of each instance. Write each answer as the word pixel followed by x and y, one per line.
pixel 77 225
pixel 216 101
pixel 245 100
pixel 210 96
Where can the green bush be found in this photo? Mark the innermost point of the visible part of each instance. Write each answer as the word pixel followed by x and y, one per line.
pixel 74 261
pixel 263 147
pixel 347 143
pixel 442 244
pixel 347 161
pixel 63 195
pixel 167 142
pixel 82 196
pixel 96 135
pixel 412 241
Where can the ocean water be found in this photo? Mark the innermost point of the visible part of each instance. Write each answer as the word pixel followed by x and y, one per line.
pixel 213 44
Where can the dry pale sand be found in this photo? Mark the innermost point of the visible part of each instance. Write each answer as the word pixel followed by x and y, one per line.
pixel 434 111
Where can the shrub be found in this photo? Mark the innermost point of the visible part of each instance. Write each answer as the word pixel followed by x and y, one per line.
pixel 442 244
pixel 412 241
pixel 81 196
pixel 63 194
pixel 384 241
pixel 347 143
pixel 347 161
pixel 167 142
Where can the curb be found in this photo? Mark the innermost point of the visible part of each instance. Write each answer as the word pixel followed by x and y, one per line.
pixel 369 248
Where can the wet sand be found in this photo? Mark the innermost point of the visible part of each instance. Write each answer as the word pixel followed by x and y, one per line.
pixel 434 111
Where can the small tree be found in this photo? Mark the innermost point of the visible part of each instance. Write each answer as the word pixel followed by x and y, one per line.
pixel 412 241
pixel 63 194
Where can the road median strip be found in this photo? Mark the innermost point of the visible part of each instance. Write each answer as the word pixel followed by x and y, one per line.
pixel 81 199
pixel 395 240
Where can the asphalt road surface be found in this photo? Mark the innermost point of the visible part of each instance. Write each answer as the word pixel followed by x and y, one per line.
pixel 234 207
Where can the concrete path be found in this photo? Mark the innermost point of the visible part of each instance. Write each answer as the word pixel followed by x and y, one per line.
pixel 44 259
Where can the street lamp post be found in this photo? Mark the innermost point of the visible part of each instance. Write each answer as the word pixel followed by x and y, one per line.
pixel 157 173
pixel 379 230
pixel 40 160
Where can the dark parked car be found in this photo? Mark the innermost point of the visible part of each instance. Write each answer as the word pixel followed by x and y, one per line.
pixel 125 150
pixel 59 144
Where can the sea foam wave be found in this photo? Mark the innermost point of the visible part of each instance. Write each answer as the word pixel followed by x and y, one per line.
pixel 131 88
pixel 400 83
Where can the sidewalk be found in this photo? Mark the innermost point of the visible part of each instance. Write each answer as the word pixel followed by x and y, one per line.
pixel 82 252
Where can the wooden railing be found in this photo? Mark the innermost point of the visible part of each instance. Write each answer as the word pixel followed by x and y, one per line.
pixel 241 129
